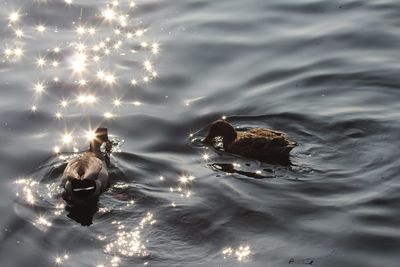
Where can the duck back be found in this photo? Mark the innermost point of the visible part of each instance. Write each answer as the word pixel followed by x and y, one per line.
pixel 263 144
pixel 85 176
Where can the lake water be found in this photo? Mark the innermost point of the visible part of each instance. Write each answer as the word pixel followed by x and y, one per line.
pixel 324 72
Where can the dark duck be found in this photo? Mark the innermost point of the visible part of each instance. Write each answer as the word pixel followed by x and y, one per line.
pixel 86 177
pixel 261 144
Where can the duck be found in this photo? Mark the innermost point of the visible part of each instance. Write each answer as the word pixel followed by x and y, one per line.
pixel 86 176
pixel 261 144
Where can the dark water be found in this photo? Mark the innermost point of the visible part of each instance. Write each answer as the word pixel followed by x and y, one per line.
pixel 325 72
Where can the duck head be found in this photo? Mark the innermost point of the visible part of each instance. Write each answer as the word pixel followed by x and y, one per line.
pixel 221 128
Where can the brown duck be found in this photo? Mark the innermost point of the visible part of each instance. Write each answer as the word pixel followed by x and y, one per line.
pixel 86 177
pixel 261 144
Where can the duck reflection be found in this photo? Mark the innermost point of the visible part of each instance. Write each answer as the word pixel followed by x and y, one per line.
pixel 82 212
pixel 230 168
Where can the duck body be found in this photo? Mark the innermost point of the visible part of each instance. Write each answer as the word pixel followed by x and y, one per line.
pixel 265 145
pixel 86 177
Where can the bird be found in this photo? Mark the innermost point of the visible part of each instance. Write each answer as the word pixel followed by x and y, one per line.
pixel 86 176
pixel 261 144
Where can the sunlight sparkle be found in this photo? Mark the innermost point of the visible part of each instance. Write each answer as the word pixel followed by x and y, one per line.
pixel 67 138
pixel 39 87
pixel 14 17
pixel 40 28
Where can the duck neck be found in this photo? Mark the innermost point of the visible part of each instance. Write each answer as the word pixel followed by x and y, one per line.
pixel 102 155
pixel 228 139
pixel 95 146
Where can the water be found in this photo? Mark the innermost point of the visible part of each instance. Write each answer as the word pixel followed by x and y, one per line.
pixel 324 72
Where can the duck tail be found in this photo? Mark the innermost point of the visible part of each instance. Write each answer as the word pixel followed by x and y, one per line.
pixel 83 188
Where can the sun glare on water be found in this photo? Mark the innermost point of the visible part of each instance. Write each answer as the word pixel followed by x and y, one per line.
pixel 86 65
pixel 81 71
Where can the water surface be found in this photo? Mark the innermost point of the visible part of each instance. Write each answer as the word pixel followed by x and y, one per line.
pixel 324 72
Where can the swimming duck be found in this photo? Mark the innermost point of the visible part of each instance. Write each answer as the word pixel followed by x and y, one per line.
pixel 86 177
pixel 261 144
